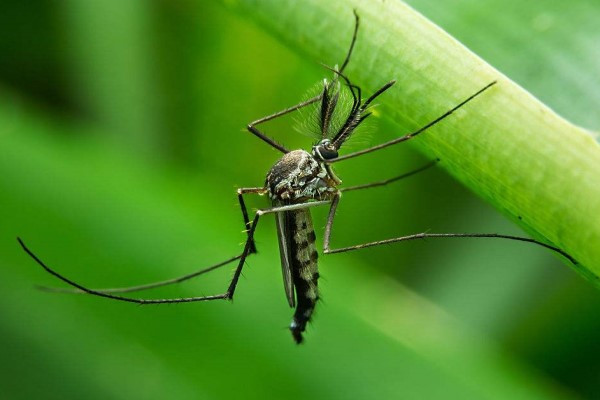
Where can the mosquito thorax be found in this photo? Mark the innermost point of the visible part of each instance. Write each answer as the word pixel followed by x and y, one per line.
pixel 299 176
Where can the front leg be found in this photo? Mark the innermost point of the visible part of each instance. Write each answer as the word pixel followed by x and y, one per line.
pixel 415 133
pixel 252 125
pixel 390 180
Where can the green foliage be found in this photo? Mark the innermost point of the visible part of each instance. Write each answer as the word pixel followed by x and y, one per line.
pixel 506 146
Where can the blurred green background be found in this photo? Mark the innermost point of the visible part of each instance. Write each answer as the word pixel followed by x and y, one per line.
pixel 121 145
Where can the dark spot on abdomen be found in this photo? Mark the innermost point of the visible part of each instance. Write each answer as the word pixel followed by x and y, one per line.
pixel 302 246
pixel 314 256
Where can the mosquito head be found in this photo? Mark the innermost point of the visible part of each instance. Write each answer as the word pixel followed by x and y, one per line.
pixel 324 150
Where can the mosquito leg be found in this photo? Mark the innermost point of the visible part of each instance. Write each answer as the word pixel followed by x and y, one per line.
pixel 352 43
pixel 179 279
pixel 331 217
pixel 252 125
pixel 394 179
pixel 259 213
pixel 145 286
pixel 415 133
pixel 329 224
pixel 227 295
pixel 240 194
pixel 113 296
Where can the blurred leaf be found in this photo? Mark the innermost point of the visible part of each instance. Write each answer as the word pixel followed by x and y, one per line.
pixel 112 70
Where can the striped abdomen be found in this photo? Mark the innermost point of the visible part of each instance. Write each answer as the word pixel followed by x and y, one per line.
pixel 305 272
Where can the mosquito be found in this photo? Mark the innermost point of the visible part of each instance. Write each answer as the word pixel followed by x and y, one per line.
pixel 297 182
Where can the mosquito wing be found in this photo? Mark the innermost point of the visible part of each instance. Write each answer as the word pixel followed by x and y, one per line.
pixel 283 232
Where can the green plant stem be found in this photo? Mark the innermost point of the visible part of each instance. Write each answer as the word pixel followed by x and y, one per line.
pixel 506 146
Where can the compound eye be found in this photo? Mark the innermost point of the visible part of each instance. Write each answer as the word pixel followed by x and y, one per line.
pixel 328 153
